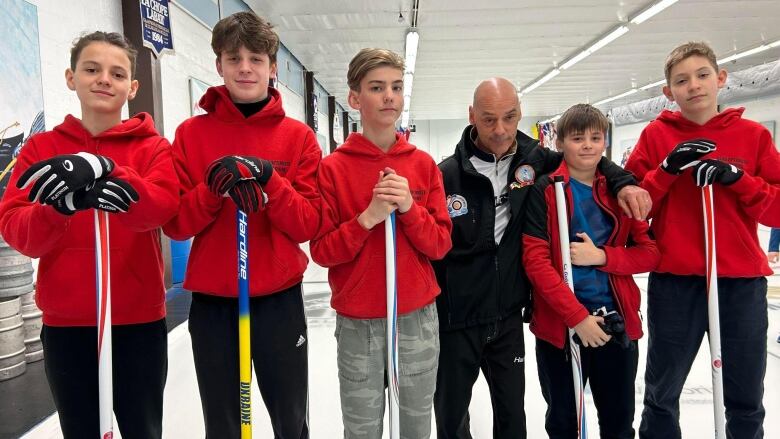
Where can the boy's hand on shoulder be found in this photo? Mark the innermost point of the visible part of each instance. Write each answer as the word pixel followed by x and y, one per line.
pixel 590 333
pixel 108 194
pixel 635 202
pixel 708 172
pixel 394 188
pixel 378 209
pixel 687 154
pixel 62 174
pixel 586 253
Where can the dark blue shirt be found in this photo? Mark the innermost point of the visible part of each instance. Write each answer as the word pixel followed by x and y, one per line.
pixel 591 286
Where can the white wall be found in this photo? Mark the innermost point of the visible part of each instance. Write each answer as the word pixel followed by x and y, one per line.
pixel 760 110
pixel 292 103
pixel 438 137
pixel 58 25
pixel 193 57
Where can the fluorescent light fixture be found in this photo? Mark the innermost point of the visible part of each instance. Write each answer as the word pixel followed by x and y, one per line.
pixel 408 81
pixel 652 10
pixel 577 58
pixel 749 52
pixel 552 119
pixel 653 84
pixel 612 36
pixel 551 74
pixel 405 119
pixel 412 41
pixel 614 98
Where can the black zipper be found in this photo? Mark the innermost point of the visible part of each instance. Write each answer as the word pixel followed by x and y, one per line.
pixel 612 240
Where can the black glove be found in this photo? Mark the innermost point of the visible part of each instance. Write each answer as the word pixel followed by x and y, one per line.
pixel 613 325
pixel 686 155
pixel 61 174
pixel 107 194
pixel 248 196
pixel 715 171
pixel 222 174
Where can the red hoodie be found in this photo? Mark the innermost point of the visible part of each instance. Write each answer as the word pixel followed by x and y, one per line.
pixel 555 307
pixel 291 216
pixel 66 244
pixel 677 223
pixel 355 256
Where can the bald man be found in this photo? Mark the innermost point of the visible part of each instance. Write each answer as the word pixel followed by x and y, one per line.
pixel 484 287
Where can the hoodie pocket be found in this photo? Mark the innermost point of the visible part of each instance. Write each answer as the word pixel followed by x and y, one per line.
pixel 66 284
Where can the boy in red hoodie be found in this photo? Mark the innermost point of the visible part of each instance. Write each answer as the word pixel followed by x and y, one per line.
pixel 606 248
pixel 370 176
pixel 246 148
pixel 123 167
pixel 745 171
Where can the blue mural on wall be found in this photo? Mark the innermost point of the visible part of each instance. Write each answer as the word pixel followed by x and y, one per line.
pixel 21 90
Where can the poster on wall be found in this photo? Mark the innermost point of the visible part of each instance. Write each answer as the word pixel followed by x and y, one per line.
pixel 620 155
pixel 156 26
pixel 197 90
pixel 21 89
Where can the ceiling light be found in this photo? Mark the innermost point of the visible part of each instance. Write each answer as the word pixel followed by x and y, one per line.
pixel 612 36
pixel 749 52
pixel 652 10
pixel 405 119
pixel 614 98
pixel 551 74
pixel 552 119
pixel 412 41
pixel 653 84
pixel 577 58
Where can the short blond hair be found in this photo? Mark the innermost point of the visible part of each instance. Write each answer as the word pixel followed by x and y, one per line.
pixel 687 50
pixel 369 59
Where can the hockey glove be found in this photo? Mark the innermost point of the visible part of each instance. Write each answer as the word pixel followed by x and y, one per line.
pixel 248 196
pixel 715 171
pixel 686 155
pixel 222 174
pixel 53 178
pixel 108 194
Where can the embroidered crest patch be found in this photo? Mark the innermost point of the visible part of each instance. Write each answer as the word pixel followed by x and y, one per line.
pixel 456 205
pixel 524 176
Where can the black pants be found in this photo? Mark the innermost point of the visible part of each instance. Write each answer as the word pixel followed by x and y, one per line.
pixel 611 371
pixel 499 350
pixel 140 367
pixel 677 321
pixel 279 354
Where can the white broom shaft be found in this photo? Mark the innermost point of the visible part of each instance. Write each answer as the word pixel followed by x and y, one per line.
pixel 713 312
pixel 576 365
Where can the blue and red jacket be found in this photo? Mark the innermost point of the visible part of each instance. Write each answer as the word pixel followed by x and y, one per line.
pixel 629 250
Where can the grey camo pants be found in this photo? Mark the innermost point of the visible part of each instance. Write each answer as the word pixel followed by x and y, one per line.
pixel 362 364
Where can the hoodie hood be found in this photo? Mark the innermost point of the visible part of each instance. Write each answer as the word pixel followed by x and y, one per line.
pixel 723 119
pixel 140 125
pixel 218 103
pixel 358 145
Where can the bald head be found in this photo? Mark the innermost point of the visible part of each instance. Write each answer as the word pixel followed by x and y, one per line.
pixel 495 113
pixel 495 89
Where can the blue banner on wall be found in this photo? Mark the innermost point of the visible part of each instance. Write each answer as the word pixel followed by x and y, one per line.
pixel 156 26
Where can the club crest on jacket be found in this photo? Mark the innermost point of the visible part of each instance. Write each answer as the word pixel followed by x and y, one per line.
pixel 524 176
pixel 456 205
